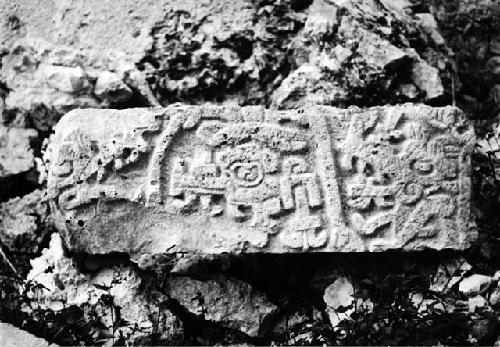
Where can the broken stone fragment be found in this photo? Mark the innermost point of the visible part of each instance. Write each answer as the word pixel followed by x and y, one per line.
pixel 65 79
pixel 110 87
pixel 449 273
pixel 59 274
pixel 474 284
pixel 227 301
pixel 142 311
pixel 16 156
pixel 337 295
pixel 64 285
pixel 495 297
pixel 189 179
pixel 25 223
pixel 426 78
pixel 477 302
pixel 341 301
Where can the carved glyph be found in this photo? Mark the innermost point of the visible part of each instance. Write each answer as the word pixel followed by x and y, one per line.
pixel 218 179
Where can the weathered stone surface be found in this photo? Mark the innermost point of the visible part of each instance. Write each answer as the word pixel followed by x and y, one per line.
pixel 225 51
pixel 474 284
pixel 24 222
pixel 449 274
pixel 214 179
pixel 46 80
pixel 139 309
pixel 342 302
pixel 355 52
pixel 230 302
pixel 16 155
pixel 495 296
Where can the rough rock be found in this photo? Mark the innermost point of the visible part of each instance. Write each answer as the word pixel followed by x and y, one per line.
pixel 14 337
pixel 16 156
pixel 337 295
pixel 341 302
pixel 218 179
pixel 353 52
pixel 64 285
pixel 137 307
pixel 449 273
pixel 495 297
pixel 53 270
pixel 230 302
pixel 25 222
pixel 53 57
pixel 46 80
pixel 228 51
pixel 474 284
pixel 186 50
pixel 426 78
pixel 109 86
pixel 477 302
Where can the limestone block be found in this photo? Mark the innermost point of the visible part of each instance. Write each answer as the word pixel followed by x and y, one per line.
pixel 217 179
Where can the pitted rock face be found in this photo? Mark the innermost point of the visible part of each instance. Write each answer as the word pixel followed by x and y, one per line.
pixel 16 156
pixel 218 179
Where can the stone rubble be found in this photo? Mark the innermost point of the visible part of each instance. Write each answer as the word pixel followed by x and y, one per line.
pixel 229 302
pixel 341 57
pixel 286 53
pixel 54 79
pixel 337 295
pixel 64 285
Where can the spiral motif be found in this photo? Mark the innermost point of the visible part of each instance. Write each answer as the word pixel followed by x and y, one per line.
pixel 247 174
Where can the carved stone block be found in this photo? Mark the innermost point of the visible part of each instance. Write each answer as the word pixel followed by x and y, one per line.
pixel 218 179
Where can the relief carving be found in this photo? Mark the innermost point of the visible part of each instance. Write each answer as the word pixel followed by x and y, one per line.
pixel 254 169
pixel 249 179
